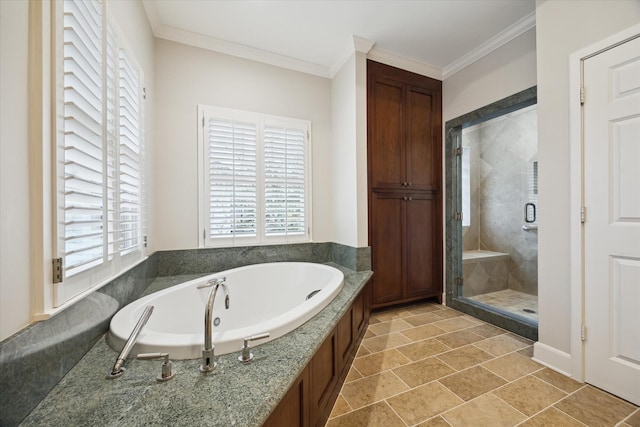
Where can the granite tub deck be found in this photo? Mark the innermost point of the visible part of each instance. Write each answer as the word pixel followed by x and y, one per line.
pixel 232 395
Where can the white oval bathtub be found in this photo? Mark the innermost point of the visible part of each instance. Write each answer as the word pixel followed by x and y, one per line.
pixel 268 297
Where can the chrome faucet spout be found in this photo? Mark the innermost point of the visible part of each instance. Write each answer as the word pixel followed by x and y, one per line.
pixel 118 366
pixel 208 355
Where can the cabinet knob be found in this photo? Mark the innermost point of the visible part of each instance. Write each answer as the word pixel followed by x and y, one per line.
pixel 409 184
pixel 410 198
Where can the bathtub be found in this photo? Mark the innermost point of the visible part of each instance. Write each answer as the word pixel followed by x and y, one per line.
pixel 268 297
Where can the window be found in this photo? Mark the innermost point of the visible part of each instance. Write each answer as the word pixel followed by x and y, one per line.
pixel 255 178
pixel 98 149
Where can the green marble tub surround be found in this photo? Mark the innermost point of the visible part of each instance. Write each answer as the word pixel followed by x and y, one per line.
pixel 35 359
pixel 235 394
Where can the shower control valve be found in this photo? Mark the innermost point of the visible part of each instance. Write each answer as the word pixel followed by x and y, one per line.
pixel 247 355
pixel 167 370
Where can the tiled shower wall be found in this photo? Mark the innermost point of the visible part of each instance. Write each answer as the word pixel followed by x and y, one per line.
pixel 502 152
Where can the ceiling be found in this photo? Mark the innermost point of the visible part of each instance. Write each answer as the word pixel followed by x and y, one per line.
pixel 433 37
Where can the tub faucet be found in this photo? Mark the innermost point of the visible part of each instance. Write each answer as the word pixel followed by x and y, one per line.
pixel 208 359
pixel 118 367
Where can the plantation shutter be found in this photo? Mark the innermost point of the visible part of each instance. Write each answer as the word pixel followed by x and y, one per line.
pixel 84 161
pixel 255 175
pixel 284 180
pixel 98 127
pixel 130 146
pixel 232 179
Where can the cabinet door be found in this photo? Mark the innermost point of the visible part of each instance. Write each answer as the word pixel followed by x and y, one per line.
pixel 387 249
pixel 293 409
pixel 385 133
pixel 423 260
pixel 323 380
pixel 361 312
pixel 346 336
pixel 421 141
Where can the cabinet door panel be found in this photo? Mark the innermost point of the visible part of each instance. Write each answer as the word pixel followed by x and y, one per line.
pixel 293 409
pixel 421 245
pixel 360 313
pixel 420 141
pixel 385 141
pixel 346 337
pixel 387 229
pixel 323 378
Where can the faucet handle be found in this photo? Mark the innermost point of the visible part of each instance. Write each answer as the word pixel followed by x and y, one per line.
pixel 212 282
pixel 167 371
pixel 247 355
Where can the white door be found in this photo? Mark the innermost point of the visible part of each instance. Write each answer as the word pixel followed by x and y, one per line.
pixel 612 229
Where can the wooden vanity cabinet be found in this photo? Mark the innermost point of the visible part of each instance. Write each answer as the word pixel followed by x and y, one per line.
pixel 404 151
pixel 293 409
pixel 310 399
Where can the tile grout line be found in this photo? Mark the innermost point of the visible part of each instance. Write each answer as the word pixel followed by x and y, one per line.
pixel 395 412
pixel 440 357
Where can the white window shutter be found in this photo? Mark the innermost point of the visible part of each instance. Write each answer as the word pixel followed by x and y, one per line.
pixel 255 174
pixel 284 180
pixel 99 149
pixel 130 150
pixel 84 195
pixel 232 179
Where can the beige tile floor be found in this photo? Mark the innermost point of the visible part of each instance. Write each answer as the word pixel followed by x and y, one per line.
pixel 512 301
pixel 427 365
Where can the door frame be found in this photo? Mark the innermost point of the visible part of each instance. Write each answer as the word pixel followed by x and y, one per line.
pixel 576 198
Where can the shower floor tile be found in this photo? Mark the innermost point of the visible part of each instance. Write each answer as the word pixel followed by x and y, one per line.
pixel 476 375
pixel 512 301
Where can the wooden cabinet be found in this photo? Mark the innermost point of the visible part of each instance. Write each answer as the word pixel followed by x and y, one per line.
pixel 293 409
pixel 323 371
pixel 310 399
pixel 404 113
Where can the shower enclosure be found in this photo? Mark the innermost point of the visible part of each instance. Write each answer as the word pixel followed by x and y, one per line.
pixel 492 213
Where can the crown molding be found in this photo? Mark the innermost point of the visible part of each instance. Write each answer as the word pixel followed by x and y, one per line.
pixel 362 45
pixel 405 63
pixel 152 14
pixel 499 40
pixel 210 43
pixel 246 52
pixel 359 45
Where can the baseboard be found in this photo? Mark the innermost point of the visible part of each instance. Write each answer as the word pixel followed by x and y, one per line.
pixel 553 358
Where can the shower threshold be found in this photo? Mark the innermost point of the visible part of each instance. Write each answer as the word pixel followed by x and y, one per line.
pixel 515 302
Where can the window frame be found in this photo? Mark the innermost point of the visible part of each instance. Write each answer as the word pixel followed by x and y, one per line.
pixel 261 120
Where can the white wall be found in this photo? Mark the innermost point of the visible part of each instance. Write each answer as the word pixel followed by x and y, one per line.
pixel 505 71
pixel 563 27
pixel 343 154
pixel 15 303
pixel 187 76
pixel 349 152
pixel 18 301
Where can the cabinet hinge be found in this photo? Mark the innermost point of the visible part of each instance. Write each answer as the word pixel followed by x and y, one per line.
pixel 458 216
pixel 144 93
pixel 583 332
pixel 582 96
pixel 144 241
pixel 583 215
pixel 202 121
pixel 57 270
pixel 459 281
pixel 458 151
pixel 204 234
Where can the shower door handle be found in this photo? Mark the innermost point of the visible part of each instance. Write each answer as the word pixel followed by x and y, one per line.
pixel 527 217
